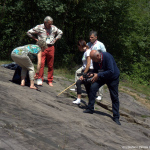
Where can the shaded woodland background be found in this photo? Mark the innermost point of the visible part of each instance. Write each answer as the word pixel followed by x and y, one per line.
pixel 122 25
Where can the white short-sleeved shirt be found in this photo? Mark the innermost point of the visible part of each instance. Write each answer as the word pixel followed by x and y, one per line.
pixel 97 45
pixel 84 59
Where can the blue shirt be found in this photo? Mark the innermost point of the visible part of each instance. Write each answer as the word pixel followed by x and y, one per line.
pixel 107 69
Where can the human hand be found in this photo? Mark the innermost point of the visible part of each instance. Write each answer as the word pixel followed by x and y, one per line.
pixel 36 76
pixel 95 78
pixel 53 42
pixel 90 75
pixel 81 78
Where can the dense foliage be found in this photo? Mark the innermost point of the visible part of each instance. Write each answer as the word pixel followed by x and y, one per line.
pixel 122 25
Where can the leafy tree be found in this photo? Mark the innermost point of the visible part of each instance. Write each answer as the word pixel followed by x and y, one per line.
pixel 122 25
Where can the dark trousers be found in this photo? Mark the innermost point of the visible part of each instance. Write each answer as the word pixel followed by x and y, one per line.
pixel 86 84
pixel 113 89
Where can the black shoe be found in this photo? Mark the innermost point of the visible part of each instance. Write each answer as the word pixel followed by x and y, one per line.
pixel 117 121
pixel 88 111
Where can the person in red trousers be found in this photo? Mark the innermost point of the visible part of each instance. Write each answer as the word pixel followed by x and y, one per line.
pixel 49 33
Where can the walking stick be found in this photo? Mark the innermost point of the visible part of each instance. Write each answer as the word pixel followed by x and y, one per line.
pixel 66 88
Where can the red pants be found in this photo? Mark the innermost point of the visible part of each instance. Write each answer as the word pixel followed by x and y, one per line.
pixel 49 55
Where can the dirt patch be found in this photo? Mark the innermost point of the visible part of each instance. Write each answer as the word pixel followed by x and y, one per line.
pixel 39 120
pixel 144 101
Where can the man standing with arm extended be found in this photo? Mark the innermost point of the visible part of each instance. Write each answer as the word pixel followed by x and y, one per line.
pixel 49 33
pixel 105 72
pixel 94 44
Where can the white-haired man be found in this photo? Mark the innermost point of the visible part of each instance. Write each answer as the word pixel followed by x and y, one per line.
pixel 49 33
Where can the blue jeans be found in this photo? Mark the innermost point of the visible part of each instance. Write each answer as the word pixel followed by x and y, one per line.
pixel 113 89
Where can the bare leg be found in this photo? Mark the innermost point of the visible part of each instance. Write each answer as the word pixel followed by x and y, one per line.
pixel 32 85
pixel 79 96
pixel 22 81
pixel 50 84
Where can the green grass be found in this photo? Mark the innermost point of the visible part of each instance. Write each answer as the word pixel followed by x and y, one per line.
pixel 5 62
pixel 64 73
pixel 57 72
pixel 137 87
pixel 69 75
pixel 145 116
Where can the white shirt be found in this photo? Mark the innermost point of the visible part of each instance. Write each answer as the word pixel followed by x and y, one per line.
pixel 97 45
pixel 84 59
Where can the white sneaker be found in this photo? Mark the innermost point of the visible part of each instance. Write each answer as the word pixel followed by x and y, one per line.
pixel 99 98
pixel 73 90
pixel 77 101
pixel 39 81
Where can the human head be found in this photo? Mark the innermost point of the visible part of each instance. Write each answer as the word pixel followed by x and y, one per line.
pixel 42 44
pixel 81 45
pixel 48 21
pixel 93 36
pixel 95 56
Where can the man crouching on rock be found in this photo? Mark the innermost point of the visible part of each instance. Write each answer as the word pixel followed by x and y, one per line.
pixel 105 72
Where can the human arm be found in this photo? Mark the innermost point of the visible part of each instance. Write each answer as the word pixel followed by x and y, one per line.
pixel 33 31
pixel 95 77
pixel 104 70
pixel 58 33
pixel 108 69
pixel 39 55
pixel 88 64
pixel 102 47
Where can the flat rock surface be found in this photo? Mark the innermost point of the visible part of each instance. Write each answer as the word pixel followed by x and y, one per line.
pixel 39 120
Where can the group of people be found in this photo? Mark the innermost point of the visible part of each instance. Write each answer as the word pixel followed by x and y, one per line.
pixel 45 35
pixel 101 67
pixel 97 64
pixel 94 44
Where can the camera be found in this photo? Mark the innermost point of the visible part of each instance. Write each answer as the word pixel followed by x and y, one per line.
pixel 86 77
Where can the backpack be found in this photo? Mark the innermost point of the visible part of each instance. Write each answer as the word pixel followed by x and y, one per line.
pixel 17 76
